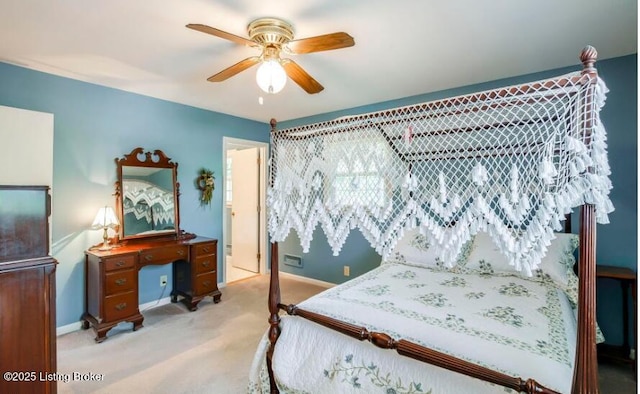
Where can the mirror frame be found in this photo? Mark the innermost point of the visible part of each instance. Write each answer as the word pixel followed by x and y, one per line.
pixel 155 159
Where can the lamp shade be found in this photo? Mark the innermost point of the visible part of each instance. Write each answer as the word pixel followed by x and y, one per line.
pixel 271 76
pixel 105 218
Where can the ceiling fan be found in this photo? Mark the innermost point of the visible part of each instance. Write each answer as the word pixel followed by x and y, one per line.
pixel 273 37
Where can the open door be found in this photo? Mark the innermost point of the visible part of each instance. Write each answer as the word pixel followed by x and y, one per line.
pixel 245 208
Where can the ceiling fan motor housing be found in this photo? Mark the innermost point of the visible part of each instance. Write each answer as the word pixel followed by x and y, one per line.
pixel 270 31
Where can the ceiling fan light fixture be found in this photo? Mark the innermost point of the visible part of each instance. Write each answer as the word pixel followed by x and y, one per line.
pixel 274 37
pixel 271 76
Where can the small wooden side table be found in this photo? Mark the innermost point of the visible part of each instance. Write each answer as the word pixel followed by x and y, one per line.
pixel 627 278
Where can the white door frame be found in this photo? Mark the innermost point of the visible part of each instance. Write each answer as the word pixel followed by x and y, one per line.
pixel 236 143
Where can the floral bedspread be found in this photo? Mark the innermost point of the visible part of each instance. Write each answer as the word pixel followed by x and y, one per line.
pixel 506 323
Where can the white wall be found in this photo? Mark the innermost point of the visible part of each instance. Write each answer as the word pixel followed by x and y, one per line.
pixel 26 147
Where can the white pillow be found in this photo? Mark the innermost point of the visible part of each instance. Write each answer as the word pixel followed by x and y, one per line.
pixel 556 266
pixel 413 248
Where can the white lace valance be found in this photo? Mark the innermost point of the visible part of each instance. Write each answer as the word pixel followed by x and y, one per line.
pixel 511 162
pixel 146 201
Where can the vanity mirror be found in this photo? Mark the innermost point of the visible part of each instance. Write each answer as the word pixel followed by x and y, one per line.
pixel 147 195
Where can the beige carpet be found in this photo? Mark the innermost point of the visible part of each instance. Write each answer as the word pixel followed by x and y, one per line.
pixel 207 351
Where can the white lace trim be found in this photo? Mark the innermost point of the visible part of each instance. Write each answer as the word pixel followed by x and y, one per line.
pixel 157 204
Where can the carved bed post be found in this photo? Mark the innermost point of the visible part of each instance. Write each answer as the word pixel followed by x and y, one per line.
pixel 585 373
pixel 274 291
pixel 274 317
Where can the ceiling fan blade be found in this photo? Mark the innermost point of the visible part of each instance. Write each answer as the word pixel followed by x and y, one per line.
pixel 325 42
pixel 235 69
pixel 301 77
pixel 222 34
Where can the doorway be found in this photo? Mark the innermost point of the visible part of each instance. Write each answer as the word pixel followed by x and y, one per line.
pixel 244 233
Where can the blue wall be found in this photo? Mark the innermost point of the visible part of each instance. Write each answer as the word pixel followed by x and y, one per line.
pixel 93 125
pixel 616 242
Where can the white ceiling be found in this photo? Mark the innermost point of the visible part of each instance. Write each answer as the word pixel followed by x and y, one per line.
pixel 403 47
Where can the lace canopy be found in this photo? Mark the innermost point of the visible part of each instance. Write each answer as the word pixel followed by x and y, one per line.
pixel 511 162
pixel 148 202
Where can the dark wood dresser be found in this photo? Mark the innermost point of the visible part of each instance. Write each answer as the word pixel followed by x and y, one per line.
pixel 112 278
pixel 27 292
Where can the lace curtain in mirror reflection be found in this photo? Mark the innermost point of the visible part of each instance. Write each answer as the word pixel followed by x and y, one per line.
pixel 148 200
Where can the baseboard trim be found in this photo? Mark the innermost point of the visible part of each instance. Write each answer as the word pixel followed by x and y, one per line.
pixel 154 304
pixel 142 307
pixel 312 281
pixel 68 328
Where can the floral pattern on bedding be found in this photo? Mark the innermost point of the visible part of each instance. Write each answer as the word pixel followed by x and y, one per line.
pixel 505 315
pixel 511 322
pixel 356 374
pixel 404 275
pixel 348 372
pixel 474 295
pixel 503 301
pixel 437 300
pixel 455 281
pixel 377 290
pixel 485 268
pixel 515 290
pixel 417 251
pixel 420 242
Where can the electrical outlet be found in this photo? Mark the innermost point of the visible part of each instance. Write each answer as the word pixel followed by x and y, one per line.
pixel 346 270
pixel 163 280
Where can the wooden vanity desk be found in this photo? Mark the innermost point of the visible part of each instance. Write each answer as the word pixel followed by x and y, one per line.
pixel 112 279
pixel 147 205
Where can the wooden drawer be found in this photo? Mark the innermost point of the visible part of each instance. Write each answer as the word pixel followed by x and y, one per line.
pixel 164 255
pixel 206 283
pixel 206 248
pixel 119 281
pixel 205 264
pixel 120 306
pixel 119 262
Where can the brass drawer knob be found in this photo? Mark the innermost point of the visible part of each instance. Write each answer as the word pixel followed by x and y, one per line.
pixel 180 252
pixel 121 281
pixel 206 283
pixel 205 249
pixel 148 257
pixel 121 306
pixel 205 263
pixel 120 263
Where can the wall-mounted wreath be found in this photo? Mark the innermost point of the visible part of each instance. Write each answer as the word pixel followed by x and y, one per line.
pixel 205 182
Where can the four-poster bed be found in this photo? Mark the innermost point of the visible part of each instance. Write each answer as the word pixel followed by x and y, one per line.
pixel 456 180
